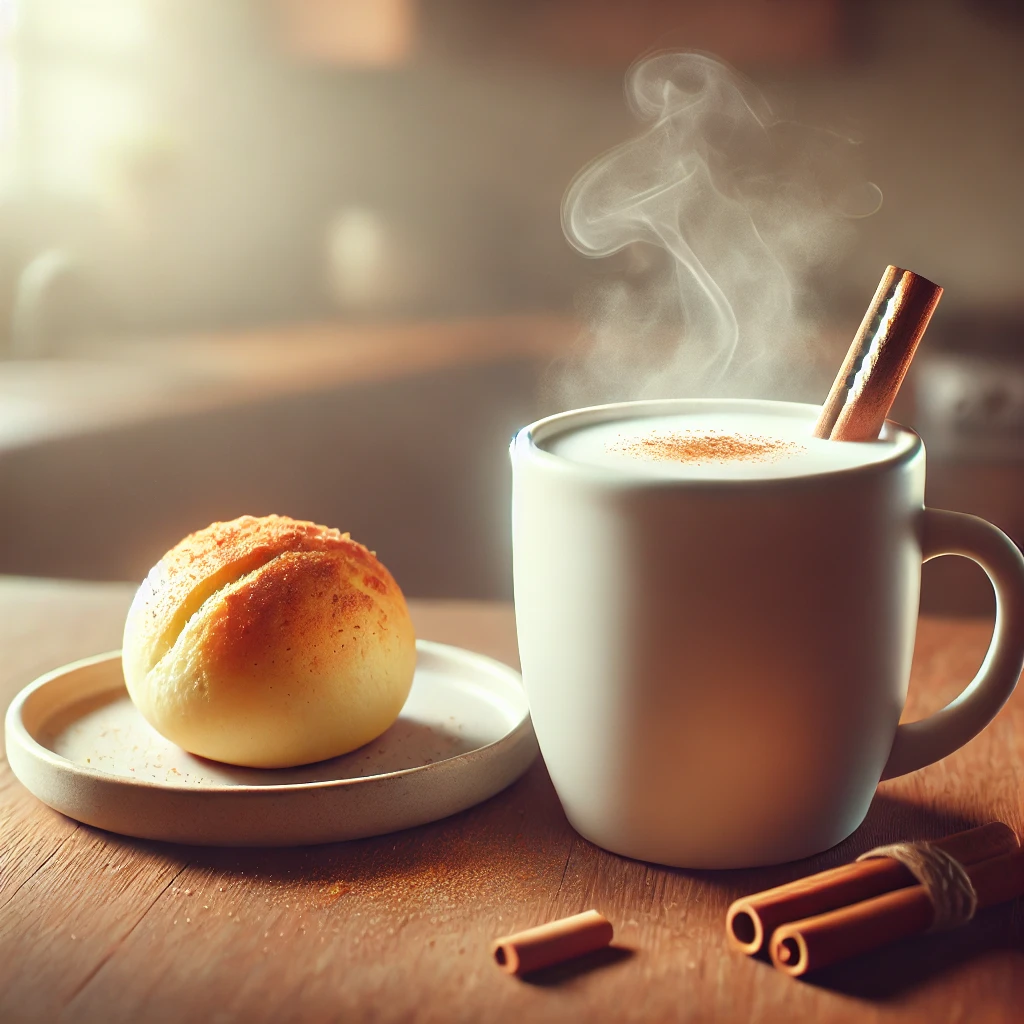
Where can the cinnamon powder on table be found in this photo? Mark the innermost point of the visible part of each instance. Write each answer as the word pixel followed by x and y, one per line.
pixel 707 446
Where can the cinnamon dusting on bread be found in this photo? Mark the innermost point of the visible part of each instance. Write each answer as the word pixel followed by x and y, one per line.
pixel 212 559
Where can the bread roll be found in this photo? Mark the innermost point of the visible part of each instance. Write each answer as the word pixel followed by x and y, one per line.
pixel 269 643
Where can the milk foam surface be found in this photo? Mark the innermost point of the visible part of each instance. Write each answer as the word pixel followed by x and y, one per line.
pixel 617 444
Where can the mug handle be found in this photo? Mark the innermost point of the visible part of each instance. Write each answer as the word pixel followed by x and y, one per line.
pixel 953 533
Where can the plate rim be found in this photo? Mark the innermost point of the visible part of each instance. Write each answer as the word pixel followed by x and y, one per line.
pixel 16 731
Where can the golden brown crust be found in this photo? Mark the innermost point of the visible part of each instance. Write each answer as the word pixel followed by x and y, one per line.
pixel 269 642
pixel 249 539
pixel 210 559
pixel 306 597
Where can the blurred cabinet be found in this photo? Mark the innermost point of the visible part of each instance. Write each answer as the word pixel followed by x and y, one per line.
pixel 969 398
pixel 580 33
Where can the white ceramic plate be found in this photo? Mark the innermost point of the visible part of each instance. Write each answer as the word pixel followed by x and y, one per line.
pixel 76 741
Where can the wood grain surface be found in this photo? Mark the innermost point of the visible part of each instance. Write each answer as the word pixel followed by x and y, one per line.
pixel 94 927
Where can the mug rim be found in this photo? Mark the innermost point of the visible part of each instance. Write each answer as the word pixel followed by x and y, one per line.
pixel 526 444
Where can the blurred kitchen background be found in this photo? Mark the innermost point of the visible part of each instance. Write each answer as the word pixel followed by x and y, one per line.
pixel 305 256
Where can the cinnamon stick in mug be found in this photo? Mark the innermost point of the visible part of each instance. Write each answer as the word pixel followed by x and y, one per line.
pixel 552 943
pixel 879 357
pixel 816 942
pixel 750 921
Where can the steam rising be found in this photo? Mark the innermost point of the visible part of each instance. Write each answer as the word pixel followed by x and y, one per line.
pixel 726 212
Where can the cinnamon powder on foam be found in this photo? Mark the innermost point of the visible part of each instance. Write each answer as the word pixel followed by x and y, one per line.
pixel 707 446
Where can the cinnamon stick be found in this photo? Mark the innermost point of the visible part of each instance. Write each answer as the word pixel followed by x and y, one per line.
pixel 879 357
pixel 552 943
pixel 750 921
pixel 826 939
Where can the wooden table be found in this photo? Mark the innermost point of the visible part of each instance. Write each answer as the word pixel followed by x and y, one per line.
pixel 94 927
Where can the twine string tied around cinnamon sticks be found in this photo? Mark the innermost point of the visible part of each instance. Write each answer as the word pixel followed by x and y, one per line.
pixel 943 878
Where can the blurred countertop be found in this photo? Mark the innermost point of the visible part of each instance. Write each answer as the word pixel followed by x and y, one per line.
pixel 113 384
pixel 396 433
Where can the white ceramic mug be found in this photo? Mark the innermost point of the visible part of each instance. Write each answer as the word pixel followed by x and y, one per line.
pixel 716 669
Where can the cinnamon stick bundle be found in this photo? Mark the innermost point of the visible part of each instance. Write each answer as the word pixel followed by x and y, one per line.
pixel 826 939
pixel 751 921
